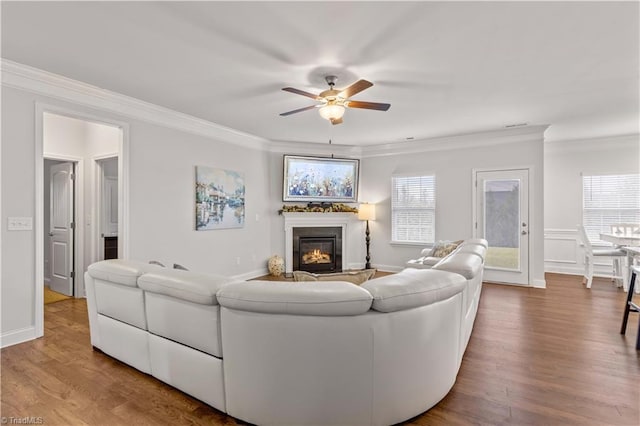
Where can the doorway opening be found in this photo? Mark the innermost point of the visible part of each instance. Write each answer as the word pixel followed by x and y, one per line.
pixel 89 154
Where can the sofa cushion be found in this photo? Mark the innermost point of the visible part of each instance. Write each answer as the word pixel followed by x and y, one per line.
pixel 332 298
pixel 412 288
pixel 465 264
pixel 354 277
pixel 473 248
pixel 185 285
pixel 119 271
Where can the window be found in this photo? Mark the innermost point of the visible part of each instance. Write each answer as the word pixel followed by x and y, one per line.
pixel 413 209
pixel 607 200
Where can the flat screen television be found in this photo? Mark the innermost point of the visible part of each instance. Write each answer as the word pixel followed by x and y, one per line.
pixel 320 179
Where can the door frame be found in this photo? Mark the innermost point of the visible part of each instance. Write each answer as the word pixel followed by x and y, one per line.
pixel 97 203
pixel 78 211
pixel 123 199
pixel 474 218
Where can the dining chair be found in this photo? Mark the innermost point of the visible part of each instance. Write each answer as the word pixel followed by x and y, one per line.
pixel 630 306
pixel 625 228
pixel 617 255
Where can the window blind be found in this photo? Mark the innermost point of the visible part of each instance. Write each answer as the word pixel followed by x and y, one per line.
pixel 413 209
pixel 607 200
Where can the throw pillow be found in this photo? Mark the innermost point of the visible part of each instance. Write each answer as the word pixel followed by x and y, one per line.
pixel 354 277
pixel 443 248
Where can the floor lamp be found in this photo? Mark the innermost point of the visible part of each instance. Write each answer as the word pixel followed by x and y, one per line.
pixel 367 212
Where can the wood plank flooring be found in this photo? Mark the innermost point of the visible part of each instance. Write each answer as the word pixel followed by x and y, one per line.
pixel 542 357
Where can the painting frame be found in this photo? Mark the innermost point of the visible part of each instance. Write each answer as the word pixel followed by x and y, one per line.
pixel 320 179
pixel 219 199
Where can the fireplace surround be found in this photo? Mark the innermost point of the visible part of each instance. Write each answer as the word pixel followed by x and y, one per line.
pixel 351 234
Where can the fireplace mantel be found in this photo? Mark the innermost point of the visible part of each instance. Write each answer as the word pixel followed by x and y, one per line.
pixel 352 235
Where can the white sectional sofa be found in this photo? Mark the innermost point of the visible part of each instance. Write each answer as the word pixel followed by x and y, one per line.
pixel 293 353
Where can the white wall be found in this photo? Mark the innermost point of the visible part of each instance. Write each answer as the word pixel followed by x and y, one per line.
pixel 565 163
pixel 162 220
pixel 454 208
pixel 161 185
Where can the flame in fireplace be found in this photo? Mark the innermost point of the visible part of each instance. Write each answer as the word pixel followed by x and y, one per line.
pixel 316 256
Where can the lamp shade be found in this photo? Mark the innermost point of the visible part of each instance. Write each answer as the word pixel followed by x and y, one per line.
pixel 331 111
pixel 367 212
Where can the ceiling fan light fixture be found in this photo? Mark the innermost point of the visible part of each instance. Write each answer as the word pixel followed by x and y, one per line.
pixel 331 111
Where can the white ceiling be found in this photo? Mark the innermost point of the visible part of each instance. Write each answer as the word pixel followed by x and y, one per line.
pixel 446 67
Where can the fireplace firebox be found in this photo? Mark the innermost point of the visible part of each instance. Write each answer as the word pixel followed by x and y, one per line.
pixel 317 249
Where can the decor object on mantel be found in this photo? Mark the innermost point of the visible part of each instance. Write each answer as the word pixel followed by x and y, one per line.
pixel 319 208
pixel 354 277
pixel 367 212
pixel 276 265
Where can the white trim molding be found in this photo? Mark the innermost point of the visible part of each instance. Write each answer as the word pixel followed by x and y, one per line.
pixel 34 80
pixel 474 140
pixel 14 337
pixel 24 77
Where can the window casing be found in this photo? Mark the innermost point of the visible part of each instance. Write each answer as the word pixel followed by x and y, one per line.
pixel 607 200
pixel 413 209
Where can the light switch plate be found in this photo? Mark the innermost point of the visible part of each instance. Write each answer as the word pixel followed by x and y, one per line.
pixel 20 224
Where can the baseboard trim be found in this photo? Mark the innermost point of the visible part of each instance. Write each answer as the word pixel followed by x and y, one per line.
pixel 18 336
pixel 539 283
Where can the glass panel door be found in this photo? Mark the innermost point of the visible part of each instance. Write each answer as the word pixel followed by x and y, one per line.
pixel 502 213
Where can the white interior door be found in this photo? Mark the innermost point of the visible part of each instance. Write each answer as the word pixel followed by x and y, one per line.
pixel 61 231
pixel 502 218
pixel 110 207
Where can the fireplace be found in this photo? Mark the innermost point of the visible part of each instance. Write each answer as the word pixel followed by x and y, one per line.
pixel 317 249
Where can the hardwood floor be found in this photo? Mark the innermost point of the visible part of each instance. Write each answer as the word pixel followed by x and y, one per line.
pixel 544 357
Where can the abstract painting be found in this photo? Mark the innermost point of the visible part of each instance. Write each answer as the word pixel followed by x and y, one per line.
pixel 219 199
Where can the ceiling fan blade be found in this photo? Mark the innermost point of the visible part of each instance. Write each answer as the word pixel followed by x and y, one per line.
pixel 368 105
pixel 335 121
pixel 297 110
pixel 356 87
pixel 300 92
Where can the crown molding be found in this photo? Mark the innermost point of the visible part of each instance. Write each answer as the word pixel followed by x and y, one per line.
pixel 309 148
pixel 464 141
pixel 24 77
pixel 604 143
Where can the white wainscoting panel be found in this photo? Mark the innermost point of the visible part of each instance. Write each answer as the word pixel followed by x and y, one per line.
pixel 564 254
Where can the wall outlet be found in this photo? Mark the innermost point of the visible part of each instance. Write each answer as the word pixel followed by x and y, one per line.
pixel 20 224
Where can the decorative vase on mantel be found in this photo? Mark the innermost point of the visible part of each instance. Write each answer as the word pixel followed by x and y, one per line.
pixel 276 265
